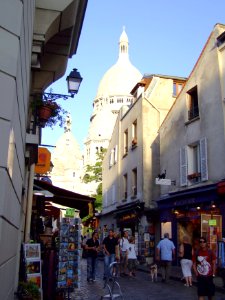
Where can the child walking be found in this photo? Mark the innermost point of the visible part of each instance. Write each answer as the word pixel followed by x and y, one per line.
pixel 132 257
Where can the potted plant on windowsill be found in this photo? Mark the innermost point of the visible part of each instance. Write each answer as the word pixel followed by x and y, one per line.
pixel 48 112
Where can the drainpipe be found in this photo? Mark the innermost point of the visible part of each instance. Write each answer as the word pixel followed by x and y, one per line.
pixel 29 204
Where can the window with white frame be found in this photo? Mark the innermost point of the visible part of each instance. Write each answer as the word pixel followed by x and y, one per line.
pixel 125 142
pixel 193 163
pixel 113 156
pixel 134 133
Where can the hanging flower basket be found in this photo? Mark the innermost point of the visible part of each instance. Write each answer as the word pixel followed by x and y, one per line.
pixel 44 113
pixel 49 112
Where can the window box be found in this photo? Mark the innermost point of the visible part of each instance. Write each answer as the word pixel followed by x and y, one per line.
pixel 134 141
pixel 193 176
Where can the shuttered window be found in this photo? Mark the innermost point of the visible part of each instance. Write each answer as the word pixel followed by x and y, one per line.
pixel 193 163
pixel 203 159
pixel 183 166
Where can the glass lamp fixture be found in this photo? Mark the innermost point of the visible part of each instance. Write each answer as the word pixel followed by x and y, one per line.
pixel 73 81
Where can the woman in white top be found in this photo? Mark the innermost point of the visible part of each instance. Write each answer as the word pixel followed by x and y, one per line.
pixel 123 253
pixel 132 257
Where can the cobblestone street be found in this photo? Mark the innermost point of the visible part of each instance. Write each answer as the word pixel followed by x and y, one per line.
pixel 139 288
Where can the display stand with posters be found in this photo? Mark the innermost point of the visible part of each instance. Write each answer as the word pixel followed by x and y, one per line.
pixel 68 275
pixel 32 254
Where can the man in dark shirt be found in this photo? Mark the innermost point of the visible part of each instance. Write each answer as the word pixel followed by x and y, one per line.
pixel 109 247
pixel 92 247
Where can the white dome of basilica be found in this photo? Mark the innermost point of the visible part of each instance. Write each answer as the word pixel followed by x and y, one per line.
pixel 114 92
pixel 120 79
pixel 102 125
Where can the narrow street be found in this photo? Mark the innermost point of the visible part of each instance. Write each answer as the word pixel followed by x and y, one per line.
pixel 139 288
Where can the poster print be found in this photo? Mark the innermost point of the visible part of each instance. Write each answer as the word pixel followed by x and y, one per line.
pixel 33 267
pixel 32 251
pixel 35 279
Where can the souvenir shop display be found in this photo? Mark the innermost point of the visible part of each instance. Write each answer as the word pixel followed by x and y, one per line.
pixel 69 249
pixel 32 255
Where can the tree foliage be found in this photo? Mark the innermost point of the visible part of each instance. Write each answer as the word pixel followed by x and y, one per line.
pixel 94 173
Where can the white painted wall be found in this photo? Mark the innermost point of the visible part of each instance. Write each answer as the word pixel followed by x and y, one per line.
pixel 175 132
pixel 16 19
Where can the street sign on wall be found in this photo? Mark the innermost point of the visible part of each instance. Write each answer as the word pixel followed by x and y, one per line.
pixel 163 181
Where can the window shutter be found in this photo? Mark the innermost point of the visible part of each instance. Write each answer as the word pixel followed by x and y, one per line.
pixel 111 158
pixel 183 166
pixel 203 159
pixel 113 194
pixel 115 155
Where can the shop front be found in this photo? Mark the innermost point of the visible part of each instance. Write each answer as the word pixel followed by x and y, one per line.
pixel 195 212
pixel 140 223
pixel 53 210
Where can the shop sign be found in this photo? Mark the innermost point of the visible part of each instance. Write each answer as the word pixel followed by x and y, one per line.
pixel 163 181
pixel 212 222
pixel 43 164
pixel 70 213
pixel 127 217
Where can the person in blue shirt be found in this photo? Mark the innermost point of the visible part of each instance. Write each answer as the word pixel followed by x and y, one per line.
pixel 165 253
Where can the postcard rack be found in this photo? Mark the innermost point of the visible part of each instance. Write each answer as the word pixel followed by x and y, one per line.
pixel 68 271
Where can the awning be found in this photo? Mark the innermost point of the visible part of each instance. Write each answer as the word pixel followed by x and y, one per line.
pixel 67 198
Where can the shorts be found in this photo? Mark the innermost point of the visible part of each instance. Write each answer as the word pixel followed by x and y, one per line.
pixel 123 257
pixel 206 287
pixel 131 264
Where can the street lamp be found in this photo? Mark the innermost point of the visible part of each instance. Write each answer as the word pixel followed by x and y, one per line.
pixel 73 81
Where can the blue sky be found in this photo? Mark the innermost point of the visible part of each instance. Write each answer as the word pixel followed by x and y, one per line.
pixel 165 37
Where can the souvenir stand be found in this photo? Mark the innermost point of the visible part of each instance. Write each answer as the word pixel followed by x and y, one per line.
pixel 69 249
pixel 32 255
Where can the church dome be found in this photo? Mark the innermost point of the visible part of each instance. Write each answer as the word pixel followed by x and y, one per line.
pixel 102 125
pixel 120 79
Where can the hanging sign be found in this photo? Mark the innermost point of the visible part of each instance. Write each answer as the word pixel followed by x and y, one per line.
pixel 212 222
pixel 70 212
pixel 43 164
pixel 163 181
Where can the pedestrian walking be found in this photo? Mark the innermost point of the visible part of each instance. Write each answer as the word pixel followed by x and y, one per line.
pixel 185 254
pixel 83 246
pixel 132 257
pixel 109 248
pixel 165 253
pixel 92 248
pixel 123 244
pixel 204 265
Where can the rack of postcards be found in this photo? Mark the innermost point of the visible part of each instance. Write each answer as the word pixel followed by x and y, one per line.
pixel 69 249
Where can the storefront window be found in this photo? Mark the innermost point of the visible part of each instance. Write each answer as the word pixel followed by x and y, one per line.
pixel 166 227
pixel 211 229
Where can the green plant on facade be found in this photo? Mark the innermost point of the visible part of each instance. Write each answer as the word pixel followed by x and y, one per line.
pixel 94 173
